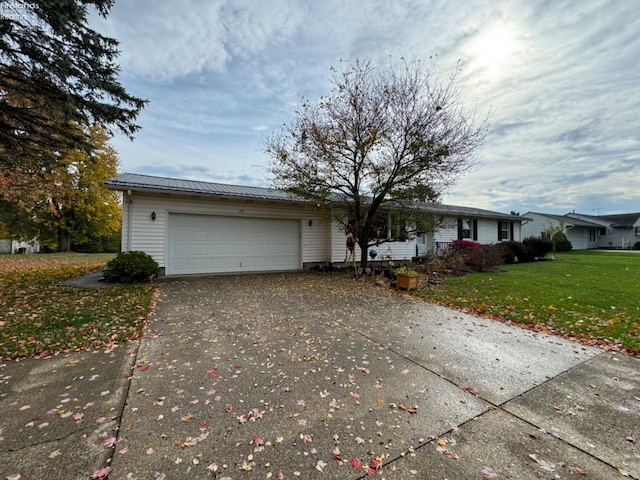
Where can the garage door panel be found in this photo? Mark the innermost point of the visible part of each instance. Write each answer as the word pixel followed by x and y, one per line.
pixel 214 244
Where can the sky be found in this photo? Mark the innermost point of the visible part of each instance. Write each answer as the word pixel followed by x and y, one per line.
pixel 559 79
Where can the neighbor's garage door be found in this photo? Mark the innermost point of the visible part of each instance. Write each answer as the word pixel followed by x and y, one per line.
pixel 214 244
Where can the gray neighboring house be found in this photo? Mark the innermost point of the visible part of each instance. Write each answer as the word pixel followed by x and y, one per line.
pixel 620 231
pixel 195 227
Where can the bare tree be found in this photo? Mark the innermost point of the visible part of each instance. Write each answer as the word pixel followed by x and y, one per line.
pixel 382 140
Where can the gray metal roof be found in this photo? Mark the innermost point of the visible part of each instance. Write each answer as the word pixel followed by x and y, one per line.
pixel 442 209
pixel 174 186
pixel 149 183
pixel 617 220
pixel 576 222
pixel 622 220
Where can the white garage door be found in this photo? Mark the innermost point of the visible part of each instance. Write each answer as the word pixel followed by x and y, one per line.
pixel 213 244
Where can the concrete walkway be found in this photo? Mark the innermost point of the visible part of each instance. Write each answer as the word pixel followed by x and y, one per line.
pixel 319 376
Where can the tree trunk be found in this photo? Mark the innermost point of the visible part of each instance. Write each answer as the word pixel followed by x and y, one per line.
pixel 64 240
pixel 363 242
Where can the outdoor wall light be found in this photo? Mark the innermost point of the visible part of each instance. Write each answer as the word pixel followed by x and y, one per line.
pixel 153 216
pixel 311 222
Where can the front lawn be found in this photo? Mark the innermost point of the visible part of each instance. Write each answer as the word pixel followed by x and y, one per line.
pixel 589 295
pixel 38 317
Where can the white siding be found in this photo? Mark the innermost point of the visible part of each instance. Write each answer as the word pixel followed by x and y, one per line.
pixel 386 251
pixel 338 244
pixel 315 247
pixel 488 231
pixel 618 238
pixel 322 240
pixel 396 250
pixel 151 236
pixel 538 224
pixel 578 238
pixel 448 231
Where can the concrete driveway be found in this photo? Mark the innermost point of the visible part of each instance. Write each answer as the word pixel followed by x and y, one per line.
pixel 319 376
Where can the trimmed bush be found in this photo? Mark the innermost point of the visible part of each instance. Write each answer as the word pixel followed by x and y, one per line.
pixel 561 242
pixel 483 259
pixel 538 247
pixel 129 267
pixel 514 252
pixel 636 246
pixel 461 246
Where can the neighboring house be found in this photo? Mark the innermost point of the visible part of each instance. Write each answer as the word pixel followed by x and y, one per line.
pixel 200 227
pixel 18 246
pixel 588 231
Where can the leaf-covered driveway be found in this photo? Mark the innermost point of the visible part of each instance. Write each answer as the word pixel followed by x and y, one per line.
pixel 319 376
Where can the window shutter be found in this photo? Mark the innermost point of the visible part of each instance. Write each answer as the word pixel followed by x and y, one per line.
pixel 475 229
pixel 511 231
pixel 499 230
pixel 459 229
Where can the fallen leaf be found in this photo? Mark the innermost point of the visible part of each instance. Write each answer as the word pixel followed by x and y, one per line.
pixel 578 470
pixel 544 464
pixel 488 473
pixel 376 463
pixel 355 464
pixel 101 473
pixel 110 442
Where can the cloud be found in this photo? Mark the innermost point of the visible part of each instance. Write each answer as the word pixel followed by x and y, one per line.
pixel 560 83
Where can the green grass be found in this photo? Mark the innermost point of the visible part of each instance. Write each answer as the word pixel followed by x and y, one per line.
pixel 590 295
pixel 39 318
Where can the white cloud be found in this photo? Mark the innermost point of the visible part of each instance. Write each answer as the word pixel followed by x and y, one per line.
pixel 560 79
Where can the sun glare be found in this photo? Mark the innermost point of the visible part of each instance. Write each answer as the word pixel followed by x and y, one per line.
pixel 492 50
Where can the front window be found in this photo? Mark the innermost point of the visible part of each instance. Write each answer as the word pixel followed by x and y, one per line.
pixel 593 235
pixel 505 231
pixel 466 228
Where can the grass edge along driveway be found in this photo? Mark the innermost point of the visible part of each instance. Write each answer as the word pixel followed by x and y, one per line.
pixel 38 317
pixel 590 296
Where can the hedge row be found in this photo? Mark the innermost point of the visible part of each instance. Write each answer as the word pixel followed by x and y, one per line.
pixel 483 258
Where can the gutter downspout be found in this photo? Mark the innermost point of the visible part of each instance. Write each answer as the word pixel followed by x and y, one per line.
pixel 129 201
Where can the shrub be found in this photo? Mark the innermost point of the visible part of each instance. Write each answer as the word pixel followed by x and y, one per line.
pixel 538 247
pixel 407 271
pixel 460 246
pixel 636 246
pixel 483 259
pixel 128 267
pixel 514 252
pixel 561 242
